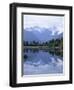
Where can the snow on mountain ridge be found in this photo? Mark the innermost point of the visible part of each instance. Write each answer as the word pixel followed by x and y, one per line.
pixel 40 34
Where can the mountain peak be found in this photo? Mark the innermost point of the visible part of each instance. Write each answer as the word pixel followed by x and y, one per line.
pixel 40 34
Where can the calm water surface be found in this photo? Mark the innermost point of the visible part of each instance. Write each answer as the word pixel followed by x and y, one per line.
pixel 41 62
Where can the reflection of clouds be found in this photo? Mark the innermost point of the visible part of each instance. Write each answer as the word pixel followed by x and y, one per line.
pixel 39 68
pixel 60 62
pixel 42 69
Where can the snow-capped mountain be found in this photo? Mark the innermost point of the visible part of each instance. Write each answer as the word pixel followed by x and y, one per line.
pixel 59 36
pixel 40 34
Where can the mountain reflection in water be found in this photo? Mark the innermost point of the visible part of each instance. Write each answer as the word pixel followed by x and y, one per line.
pixel 41 62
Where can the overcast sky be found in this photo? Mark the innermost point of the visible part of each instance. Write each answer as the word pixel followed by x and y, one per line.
pixel 44 21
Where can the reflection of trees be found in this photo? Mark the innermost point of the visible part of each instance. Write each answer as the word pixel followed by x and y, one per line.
pixel 54 46
pixel 58 53
pixel 25 56
pixel 31 50
pixel 52 52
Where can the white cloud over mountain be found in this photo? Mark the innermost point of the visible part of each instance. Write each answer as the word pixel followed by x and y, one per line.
pixel 33 34
pixel 54 23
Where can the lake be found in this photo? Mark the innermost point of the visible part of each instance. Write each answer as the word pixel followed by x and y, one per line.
pixel 37 61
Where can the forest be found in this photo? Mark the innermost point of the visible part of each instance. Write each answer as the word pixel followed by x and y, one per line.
pixel 53 44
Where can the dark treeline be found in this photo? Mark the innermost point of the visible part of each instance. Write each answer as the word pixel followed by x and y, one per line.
pixel 58 43
pixel 54 43
pixel 54 46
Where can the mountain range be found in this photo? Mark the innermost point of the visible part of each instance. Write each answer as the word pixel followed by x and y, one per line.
pixel 40 34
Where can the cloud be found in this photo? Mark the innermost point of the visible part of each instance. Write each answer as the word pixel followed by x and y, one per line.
pixel 54 22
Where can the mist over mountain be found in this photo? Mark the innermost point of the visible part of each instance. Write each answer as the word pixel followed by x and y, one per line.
pixel 40 34
pixel 59 36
